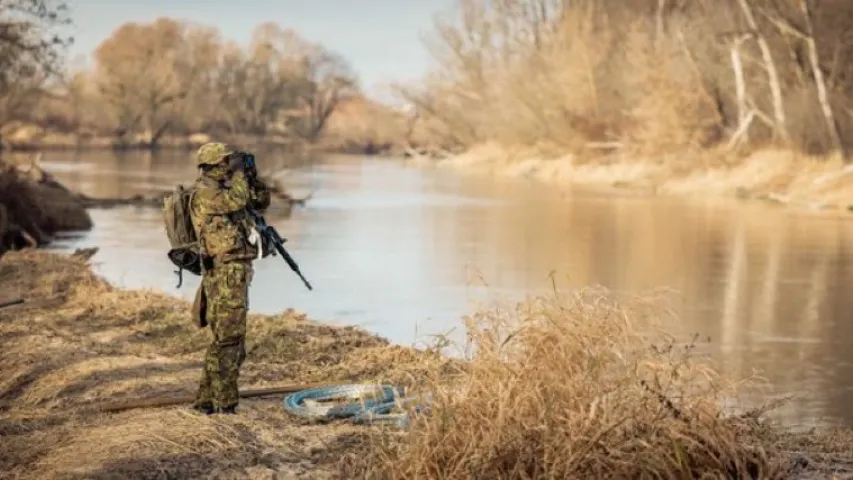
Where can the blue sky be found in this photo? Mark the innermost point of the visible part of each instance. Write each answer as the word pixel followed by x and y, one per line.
pixel 380 38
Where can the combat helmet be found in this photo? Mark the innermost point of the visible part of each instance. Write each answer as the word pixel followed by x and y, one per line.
pixel 212 153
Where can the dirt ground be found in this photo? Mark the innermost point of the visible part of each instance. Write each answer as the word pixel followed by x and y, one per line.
pixel 78 343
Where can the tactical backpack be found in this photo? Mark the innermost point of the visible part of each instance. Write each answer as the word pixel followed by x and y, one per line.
pixel 185 249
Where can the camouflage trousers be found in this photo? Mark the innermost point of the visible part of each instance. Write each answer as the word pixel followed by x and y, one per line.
pixel 225 289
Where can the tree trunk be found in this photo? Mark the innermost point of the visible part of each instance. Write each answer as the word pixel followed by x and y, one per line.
pixel 820 82
pixel 740 87
pixel 772 73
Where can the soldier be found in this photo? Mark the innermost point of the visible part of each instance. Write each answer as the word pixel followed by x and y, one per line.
pixel 228 244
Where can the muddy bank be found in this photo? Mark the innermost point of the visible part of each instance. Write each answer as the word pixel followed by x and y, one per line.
pixel 780 177
pixel 32 210
pixel 79 342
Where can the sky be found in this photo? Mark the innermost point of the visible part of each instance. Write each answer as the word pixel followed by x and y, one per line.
pixel 380 38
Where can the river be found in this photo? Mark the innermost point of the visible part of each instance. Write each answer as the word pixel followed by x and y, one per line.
pixel 405 252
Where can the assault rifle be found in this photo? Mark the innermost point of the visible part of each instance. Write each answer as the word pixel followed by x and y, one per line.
pixel 271 238
pixel 269 235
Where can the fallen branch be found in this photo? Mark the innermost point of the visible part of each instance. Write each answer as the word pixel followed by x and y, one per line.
pixel 10 303
pixel 188 399
pixel 604 145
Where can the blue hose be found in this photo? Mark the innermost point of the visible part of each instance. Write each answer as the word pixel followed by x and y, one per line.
pixel 379 395
pixel 380 414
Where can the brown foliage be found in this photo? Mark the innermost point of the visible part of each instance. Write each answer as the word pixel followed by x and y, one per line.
pixel 145 72
pixel 170 78
pixel 361 125
pixel 652 75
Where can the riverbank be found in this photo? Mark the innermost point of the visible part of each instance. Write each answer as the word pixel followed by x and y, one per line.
pixel 34 207
pixel 32 138
pixel 78 342
pixel 773 175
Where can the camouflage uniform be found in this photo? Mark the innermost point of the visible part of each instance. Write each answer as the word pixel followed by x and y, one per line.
pixel 223 226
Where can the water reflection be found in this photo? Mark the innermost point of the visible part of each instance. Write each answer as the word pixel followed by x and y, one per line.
pixel 399 251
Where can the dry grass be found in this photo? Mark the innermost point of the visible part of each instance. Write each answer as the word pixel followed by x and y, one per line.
pixel 563 387
pixel 580 387
pixel 80 342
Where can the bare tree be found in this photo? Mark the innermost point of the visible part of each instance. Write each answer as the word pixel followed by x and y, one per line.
pixel 745 114
pixel 146 72
pixel 255 87
pixel 773 78
pixel 325 79
pixel 806 36
pixel 30 52
pixel 820 82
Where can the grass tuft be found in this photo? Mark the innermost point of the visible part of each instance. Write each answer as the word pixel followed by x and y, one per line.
pixel 577 386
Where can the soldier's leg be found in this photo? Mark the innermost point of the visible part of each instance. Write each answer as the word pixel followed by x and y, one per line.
pixel 204 399
pixel 231 353
pixel 229 310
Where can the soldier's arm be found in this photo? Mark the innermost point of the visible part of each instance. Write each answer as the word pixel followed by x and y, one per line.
pixel 260 195
pixel 225 200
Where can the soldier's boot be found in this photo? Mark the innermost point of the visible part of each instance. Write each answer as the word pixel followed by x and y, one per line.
pixel 232 410
pixel 205 408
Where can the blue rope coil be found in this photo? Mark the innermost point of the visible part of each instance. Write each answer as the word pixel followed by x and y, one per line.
pixel 378 395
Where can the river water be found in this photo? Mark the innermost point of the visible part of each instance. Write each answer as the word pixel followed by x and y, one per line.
pixel 405 252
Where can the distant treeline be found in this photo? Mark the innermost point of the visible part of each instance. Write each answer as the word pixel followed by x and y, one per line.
pixel 171 78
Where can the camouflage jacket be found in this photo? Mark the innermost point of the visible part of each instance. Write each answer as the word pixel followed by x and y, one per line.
pixel 220 219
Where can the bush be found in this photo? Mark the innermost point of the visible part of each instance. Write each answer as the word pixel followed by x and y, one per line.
pixel 573 387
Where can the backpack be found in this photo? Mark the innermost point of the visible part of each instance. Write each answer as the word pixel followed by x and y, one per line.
pixel 184 249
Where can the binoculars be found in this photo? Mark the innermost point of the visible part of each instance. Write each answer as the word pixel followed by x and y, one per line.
pixel 248 160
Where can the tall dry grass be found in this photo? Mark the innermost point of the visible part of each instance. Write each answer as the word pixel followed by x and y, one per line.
pixel 577 386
